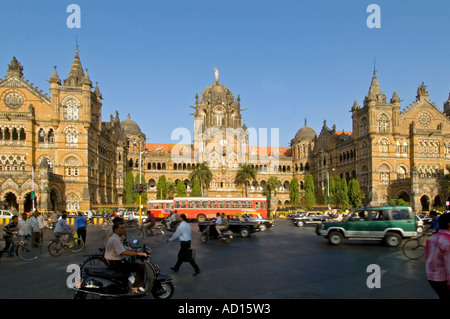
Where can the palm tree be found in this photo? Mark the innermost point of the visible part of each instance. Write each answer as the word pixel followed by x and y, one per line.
pixel 204 175
pixel 271 189
pixel 244 176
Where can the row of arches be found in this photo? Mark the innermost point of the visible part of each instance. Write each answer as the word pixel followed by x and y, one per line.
pixel 12 134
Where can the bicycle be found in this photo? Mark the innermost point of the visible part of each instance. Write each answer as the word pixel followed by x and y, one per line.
pixel 57 246
pixel 414 247
pixel 141 231
pixel 25 249
pixel 95 260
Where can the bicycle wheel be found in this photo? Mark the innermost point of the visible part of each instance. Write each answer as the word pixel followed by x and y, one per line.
pixel 412 249
pixel 78 245
pixel 95 261
pixel 55 248
pixel 28 252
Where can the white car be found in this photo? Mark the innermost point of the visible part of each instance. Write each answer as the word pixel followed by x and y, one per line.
pixel 6 214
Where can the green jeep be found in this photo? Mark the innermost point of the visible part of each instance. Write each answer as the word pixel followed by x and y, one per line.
pixel 385 223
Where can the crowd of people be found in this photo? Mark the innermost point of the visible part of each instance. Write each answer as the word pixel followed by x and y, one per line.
pixel 437 250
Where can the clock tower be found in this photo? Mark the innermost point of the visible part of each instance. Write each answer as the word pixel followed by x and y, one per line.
pixel 220 139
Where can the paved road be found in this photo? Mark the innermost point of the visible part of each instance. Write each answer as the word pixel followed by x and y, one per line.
pixel 283 263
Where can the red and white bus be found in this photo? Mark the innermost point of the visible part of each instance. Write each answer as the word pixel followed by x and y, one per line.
pixel 201 208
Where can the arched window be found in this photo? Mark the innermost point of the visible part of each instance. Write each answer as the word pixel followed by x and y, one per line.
pixel 383 172
pixel 72 110
pixel 41 136
pixel 51 136
pixel 383 123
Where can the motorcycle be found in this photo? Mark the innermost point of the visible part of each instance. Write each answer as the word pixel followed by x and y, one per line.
pixel 168 225
pixel 102 282
pixel 210 232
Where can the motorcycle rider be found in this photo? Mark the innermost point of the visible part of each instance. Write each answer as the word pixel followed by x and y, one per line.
pixel 116 253
pixel 225 224
pixel 173 219
pixel 218 224
pixel 149 223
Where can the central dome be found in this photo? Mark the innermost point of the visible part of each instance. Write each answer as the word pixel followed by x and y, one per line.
pixel 216 93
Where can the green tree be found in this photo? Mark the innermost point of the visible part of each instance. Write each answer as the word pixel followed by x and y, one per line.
pixel 244 176
pixel 196 189
pixel 130 196
pixel 161 187
pixel 204 175
pixel 309 196
pixel 341 194
pixel 271 190
pixel 181 189
pixel 294 191
pixel 332 190
pixel 355 195
pixel 171 190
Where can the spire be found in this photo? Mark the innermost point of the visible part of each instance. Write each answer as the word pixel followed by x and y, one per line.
pixel 97 91
pixel 86 79
pixel 15 68
pixel 355 106
pixel 375 93
pixel 55 77
pixel 395 98
pixel 374 85
pixel 76 72
pixel 422 93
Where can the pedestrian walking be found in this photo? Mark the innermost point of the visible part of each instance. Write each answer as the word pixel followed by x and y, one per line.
pixel 24 227
pixel 80 226
pixel 41 221
pixel 90 217
pixel 183 233
pixel 34 223
pixel 9 231
pixel 437 258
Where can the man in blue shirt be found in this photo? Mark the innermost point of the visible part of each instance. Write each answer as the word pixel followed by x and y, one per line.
pixel 183 233
pixel 80 226
pixel 434 221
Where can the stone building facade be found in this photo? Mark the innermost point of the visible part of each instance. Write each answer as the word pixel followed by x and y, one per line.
pixel 393 153
pixel 57 146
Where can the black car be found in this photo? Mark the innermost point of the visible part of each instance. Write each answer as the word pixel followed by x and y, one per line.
pixel 311 217
pixel 237 224
pixel 264 223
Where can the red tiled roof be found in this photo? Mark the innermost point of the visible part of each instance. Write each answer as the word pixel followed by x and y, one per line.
pixel 166 148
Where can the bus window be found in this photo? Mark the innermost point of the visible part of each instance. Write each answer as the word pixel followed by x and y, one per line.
pixel 197 204
pixel 168 205
pixel 227 204
pixel 156 206
pixel 249 204
pixel 263 205
pixel 219 204
pixel 150 206
pixel 243 204
pixel 191 204
pixel 177 204
pixel 183 204
pixel 205 204
pixel 256 205
pixel 235 204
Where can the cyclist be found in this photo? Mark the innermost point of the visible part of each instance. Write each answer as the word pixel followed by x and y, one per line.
pixel 62 228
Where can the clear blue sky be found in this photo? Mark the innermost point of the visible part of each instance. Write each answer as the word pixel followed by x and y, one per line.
pixel 288 59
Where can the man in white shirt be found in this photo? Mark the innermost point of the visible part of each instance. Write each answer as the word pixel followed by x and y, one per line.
pixel 34 228
pixel 116 252
pixel 24 227
pixel 183 233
